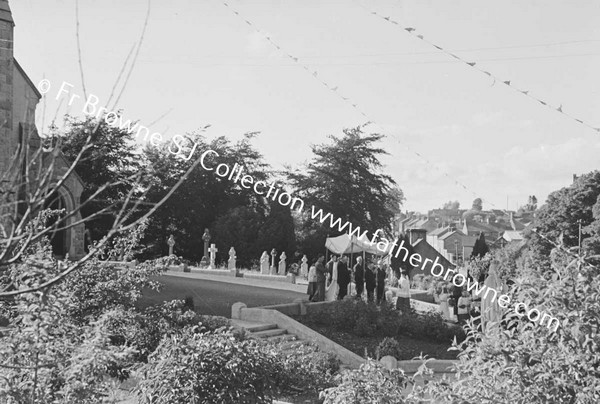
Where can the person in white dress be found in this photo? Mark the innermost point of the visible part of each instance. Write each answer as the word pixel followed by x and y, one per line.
pixel 444 309
pixel 331 291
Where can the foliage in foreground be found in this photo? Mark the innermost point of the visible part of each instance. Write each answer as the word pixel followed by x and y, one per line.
pixel 209 368
pixel 524 362
pixel 222 367
pixel 370 384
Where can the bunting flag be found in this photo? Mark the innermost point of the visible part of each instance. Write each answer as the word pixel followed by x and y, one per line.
pixel 334 90
pixel 353 104
pixel 412 31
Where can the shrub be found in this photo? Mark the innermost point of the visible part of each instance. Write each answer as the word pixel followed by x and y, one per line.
pixel 430 326
pixel 188 303
pixel 209 368
pixel 526 362
pixel 389 347
pixel 306 369
pixel 370 384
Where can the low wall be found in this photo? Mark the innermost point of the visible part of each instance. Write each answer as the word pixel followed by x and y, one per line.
pixel 269 278
pixel 270 316
pixel 207 271
pixel 424 307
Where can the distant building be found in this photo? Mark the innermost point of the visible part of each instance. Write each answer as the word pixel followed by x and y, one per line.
pixel 420 245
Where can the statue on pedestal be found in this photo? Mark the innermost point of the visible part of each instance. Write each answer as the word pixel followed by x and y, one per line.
pixel 206 238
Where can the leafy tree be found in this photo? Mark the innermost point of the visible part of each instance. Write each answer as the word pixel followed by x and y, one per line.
pixel 477 205
pixel 558 219
pixel 451 205
pixel 480 249
pixel 239 228
pixel 278 232
pixel 110 158
pixel 203 197
pixel 344 178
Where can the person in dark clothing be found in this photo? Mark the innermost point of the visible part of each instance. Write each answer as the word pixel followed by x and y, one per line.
pixel 370 281
pixel 456 294
pixel 343 279
pixel 381 275
pixel 319 296
pixel 359 277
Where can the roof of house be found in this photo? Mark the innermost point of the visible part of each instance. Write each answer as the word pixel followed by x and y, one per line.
pixel 484 227
pixel 445 236
pixel 439 231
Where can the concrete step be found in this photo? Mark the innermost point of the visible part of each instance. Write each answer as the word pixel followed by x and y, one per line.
pixel 260 327
pixel 268 333
pixel 282 338
pixel 291 345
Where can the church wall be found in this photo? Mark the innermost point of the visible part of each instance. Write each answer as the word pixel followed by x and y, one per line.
pixel 7 137
pixel 25 101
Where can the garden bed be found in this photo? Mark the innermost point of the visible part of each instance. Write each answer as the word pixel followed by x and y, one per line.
pixel 410 347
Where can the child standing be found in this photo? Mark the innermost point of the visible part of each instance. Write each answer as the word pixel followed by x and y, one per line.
pixel 464 306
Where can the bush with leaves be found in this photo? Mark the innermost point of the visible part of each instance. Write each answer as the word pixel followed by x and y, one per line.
pixel 305 368
pixel 370 384
pixel 389 347
pixel 46 358
pixel 525 362
pixel 194 367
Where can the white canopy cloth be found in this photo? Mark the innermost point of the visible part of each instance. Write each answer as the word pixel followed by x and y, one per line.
pixel 345 244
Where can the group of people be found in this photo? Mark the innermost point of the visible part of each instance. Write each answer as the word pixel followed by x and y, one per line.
pixel 334 280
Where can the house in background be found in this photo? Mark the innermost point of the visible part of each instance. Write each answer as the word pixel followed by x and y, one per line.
pixel 420 245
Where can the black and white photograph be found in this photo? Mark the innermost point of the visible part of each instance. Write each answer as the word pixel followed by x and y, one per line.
pixel 296 202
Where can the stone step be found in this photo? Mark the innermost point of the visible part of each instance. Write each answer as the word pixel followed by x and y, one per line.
pixel 268 333
pixel 260 327
pixel 292 345
pixel 282 338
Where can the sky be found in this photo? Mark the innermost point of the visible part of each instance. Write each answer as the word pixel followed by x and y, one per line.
pixel 444 122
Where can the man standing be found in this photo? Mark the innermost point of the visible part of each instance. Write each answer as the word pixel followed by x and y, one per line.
pixel 321 276
pixel 343 278
pixel 359 277
pixel 381 275
pixel 370 281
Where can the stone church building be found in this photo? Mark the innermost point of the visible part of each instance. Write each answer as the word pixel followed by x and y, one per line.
pixel 18 100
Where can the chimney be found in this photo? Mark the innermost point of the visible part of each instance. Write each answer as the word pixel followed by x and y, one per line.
pixel 6 85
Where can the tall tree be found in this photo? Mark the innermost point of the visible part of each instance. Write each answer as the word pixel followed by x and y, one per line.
pixel 111 157
pixel 204 196
pixel 480 249
pixel 451 205
pixel 560 217
pixel 345 179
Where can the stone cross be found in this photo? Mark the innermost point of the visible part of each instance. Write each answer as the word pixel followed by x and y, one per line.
pixel 282 265
pixel 264 263
pixel 213 253
pixel 171 243
pixel 273 255
pixel 304 267
pixel 206 238
pixel 232 258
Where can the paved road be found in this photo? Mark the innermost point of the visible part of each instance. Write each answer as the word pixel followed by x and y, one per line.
pixel 216 298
